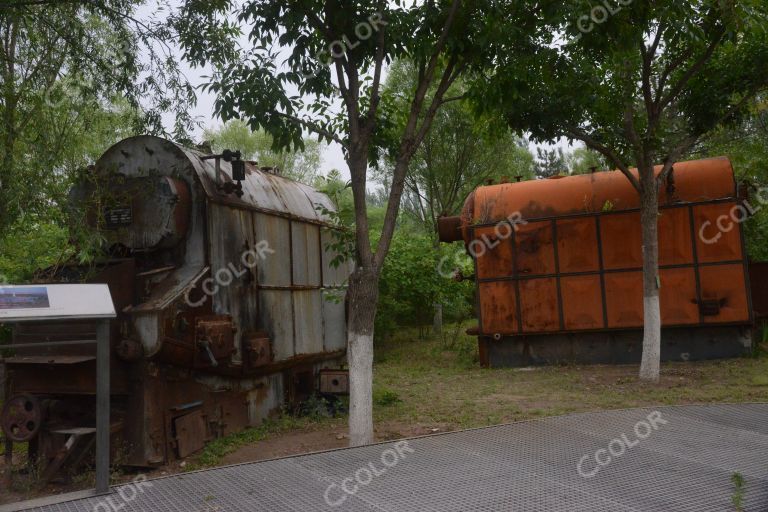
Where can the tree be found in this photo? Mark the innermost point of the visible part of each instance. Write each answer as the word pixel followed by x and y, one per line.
pixel 550 162
pixel 76 55
pixel 644 87
pixel 317 66
pixel 584 161
pixel 301 165
pixel 461 152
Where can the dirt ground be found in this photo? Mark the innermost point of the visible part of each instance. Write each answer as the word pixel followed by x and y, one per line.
pixel 329 438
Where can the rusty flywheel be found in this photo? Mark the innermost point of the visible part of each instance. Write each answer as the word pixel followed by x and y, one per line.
pixel 21 418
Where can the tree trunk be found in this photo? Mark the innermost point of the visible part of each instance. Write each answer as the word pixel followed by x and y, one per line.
pixel 10 100
pixel 649 219
pixel 437 321
pixel 363 296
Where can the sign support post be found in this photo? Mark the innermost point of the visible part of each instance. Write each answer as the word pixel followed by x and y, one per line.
pixel 103 427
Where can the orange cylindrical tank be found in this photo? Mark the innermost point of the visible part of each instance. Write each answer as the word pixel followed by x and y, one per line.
pixel 564 254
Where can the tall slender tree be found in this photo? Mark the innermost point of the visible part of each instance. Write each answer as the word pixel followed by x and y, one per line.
pixel 318 66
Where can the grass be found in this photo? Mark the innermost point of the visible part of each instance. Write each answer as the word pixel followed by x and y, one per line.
pixel 738 492
pixel 436 382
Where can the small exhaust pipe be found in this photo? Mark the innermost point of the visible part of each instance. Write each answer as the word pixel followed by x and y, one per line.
pixel 449 229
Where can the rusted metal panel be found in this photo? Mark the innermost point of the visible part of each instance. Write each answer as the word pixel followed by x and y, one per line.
pixel 334 323
pixel 624 299
pixel 498 308
pixel 275 269
pixel 675 244
pixel 190 433
pixel 265 399
pixel 678 300
pixel 275 317
pixel 305 254
pixel 538 299
pixel 725 286
pixel 334 382
pixel 577 247
pixel 494 254
pixel 715 240
pixel 232 255
pixel 307 310
pixel 622 241
pixel 535 253
pixel 582 302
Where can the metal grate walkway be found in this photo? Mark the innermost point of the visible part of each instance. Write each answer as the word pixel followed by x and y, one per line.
pixel 678 459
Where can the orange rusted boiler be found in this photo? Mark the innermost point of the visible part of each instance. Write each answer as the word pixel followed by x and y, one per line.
pixel 559 267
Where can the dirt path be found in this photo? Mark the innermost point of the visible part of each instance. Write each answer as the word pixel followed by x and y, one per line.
pixel 308 441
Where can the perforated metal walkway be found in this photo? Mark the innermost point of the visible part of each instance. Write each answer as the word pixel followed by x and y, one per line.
pixel 678 459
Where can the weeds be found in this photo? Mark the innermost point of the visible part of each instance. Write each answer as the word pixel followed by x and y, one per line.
pixel 738 494
pixel 385 397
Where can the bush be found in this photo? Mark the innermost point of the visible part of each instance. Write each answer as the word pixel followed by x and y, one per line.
pixel 410 285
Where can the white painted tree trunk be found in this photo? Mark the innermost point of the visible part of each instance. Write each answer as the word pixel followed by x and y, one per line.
pixel 650 365
pixel 649 218
pixel 360 358
pixel 363 295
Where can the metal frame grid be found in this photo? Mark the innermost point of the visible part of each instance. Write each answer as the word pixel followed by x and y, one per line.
pixel 602 271
pixel 685 465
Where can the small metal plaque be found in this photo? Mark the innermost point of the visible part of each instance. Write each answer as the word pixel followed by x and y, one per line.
pixel 118 217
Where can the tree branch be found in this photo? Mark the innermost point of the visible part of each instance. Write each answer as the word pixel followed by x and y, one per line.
pixel 411 138
pixel 576 133
pixel 690 73
pixel 313 127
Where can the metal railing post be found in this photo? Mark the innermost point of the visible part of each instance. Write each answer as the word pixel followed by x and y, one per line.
pixel 102 407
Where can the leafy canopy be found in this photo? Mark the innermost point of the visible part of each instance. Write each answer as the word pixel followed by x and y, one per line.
pixel 645 85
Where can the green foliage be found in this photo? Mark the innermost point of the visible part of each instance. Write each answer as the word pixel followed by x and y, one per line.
pixel 411 284
pixel 584 160
pixel 72 80
pixel 384 397
pixel 461 151
pixel 28 245
pixel 617 92
pixel 301 165
pixel 550 162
